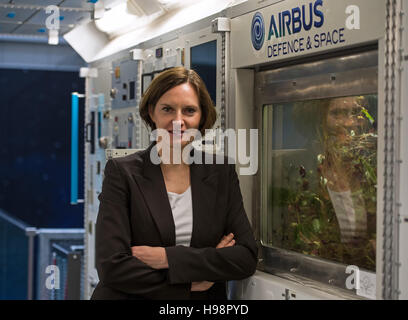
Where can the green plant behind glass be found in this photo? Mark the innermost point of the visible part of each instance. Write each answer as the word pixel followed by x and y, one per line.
pixel 309 222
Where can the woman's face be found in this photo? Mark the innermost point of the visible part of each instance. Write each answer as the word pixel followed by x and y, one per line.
pixel 179 106
pixel 343 116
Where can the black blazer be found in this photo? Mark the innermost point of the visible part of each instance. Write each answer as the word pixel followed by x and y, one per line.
pixel 134 210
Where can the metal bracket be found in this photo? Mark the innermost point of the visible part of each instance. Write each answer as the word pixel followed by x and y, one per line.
pixel 289 294
pixel 220 25
pixel 137 54
pixel 117 153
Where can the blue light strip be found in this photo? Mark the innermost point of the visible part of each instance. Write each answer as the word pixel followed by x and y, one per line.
pixel 74 148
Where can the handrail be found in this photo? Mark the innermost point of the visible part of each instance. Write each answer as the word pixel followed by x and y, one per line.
pixel 59 248
pixel 13 220
pixel 30 232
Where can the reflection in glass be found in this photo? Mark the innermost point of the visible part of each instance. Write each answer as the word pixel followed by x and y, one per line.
pixel 321 174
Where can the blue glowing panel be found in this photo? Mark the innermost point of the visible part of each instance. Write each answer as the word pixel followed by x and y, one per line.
pixel 204 62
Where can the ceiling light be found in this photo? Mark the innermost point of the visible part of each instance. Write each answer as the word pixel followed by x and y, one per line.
pixel 115 18
pixel 143 7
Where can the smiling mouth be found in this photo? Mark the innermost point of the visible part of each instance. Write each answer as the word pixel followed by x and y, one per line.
pixel 176 132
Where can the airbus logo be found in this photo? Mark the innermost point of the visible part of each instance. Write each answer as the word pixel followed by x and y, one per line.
pixel 258 31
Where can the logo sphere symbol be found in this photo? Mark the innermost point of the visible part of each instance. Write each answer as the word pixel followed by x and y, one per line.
pixel 258 31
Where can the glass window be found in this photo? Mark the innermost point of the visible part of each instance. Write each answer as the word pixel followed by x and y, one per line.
pixel 204 62
pixel 319 178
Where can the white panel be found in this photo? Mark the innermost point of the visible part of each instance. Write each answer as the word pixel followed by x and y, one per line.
pixel 403 232
pixel 244 119
pixel 380 168
pixel 405 26
pixel 264 286
pixel 272 48
pixel 199 37
pixel 86 40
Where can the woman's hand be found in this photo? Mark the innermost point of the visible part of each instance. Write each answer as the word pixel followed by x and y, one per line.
pixel 154 257
pixel 226 241
pixel 201 286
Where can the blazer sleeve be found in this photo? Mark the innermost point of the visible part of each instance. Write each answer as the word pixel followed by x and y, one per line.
pixel 116 266
pixel 187 264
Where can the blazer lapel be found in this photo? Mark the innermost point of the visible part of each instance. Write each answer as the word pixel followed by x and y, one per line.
pixel 204 183
pixel 153 189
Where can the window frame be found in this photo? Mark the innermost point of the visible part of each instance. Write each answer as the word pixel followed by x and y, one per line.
pixel 349 74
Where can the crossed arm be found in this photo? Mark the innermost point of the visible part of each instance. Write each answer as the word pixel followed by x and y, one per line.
pixel 156 258
pixel 173 271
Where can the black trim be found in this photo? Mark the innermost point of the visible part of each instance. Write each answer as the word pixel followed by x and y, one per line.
pixel 317 56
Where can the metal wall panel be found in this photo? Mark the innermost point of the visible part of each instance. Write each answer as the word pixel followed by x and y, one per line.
pixel 18 15
pixel 15 55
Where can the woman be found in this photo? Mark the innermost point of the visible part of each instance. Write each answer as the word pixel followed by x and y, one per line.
pixel 342 127
pixel 174 230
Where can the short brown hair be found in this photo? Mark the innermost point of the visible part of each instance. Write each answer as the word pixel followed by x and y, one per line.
pixel 169 79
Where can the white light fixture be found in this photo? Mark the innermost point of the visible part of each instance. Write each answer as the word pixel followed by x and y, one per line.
pixel 53 37
pixel 115 18
pixel 143 7
pixel 87 40
pixel 171 4
pixel 119 30
pixel 168 2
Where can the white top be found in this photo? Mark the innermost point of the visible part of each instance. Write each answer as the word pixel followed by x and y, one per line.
pixel 351 214
pixel 182 208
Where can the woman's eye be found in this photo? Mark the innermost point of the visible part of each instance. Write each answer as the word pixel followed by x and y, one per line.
pixel 190 110
pixel 166 109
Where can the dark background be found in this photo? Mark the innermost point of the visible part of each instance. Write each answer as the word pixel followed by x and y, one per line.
pixel 35 150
